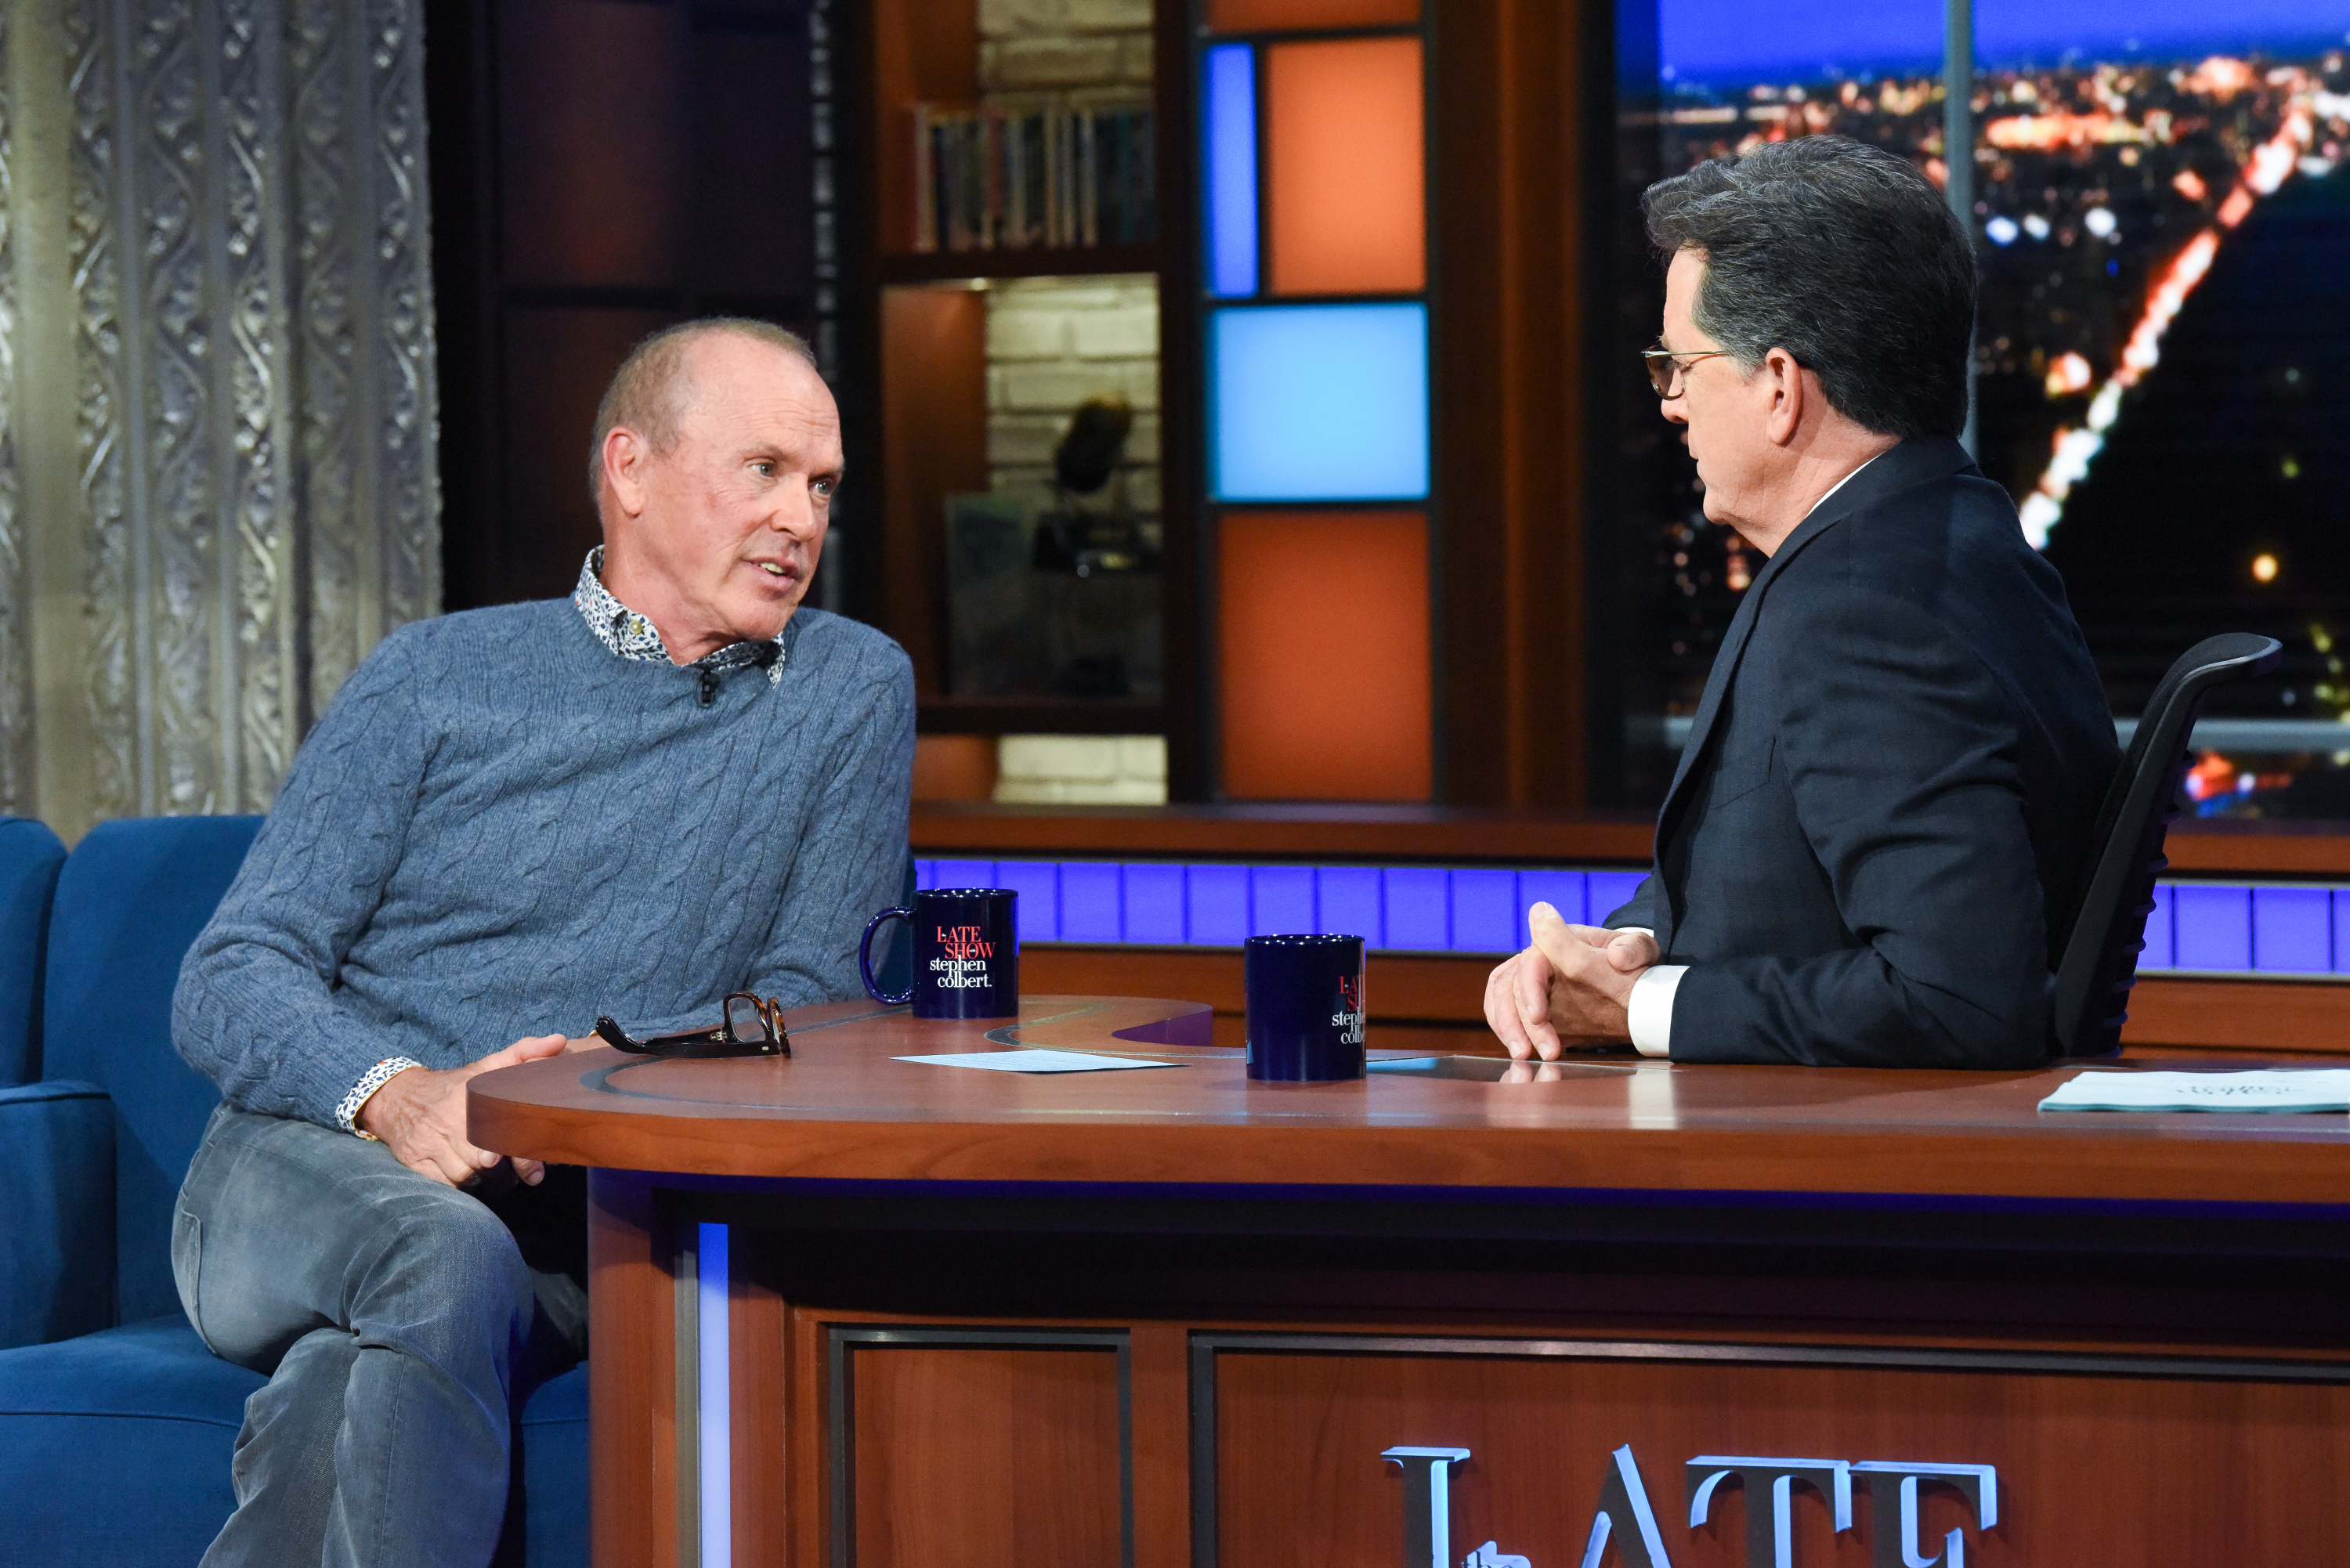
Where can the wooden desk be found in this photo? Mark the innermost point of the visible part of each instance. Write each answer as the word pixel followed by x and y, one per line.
pixel 1169 1316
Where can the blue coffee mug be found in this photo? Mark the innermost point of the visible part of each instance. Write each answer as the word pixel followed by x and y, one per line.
pixel 1304 1008
pixel 966 953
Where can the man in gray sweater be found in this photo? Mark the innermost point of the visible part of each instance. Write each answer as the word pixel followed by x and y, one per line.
pixel 674 785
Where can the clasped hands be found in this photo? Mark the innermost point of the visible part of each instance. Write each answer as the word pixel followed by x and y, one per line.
pixel 419 1115
pixel 1572 987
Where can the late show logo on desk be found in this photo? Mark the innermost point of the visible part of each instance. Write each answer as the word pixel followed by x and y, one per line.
pixel 966 950
pixel 1625 1521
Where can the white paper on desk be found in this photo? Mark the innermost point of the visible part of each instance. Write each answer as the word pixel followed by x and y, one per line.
pixel 1041 1061
pixel 2263 1089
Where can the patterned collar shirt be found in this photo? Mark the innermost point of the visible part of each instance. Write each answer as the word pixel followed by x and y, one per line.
pixel 631 636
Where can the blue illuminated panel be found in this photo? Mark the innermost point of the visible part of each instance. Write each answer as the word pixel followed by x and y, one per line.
pixel 1418 917
pixel 1469 909
pixel 1562 890
pixel 1217 900
pixel 1038 882
pixel 2292 930
pixel 1610 891
pixel 1229 113
pixel 963 874
pixel 1319 402
pixel 1349 897
pixel 1485 910
pixel 2156 953
pixel 1089 903
pixel 712 1351
pixel 1154 904
pixel 2212 927
pixel 1281 900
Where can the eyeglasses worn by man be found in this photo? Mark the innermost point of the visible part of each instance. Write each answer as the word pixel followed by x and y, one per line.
pixel 1893 772
pixel 674 785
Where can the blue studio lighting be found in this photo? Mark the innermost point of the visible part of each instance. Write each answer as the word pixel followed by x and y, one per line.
pixel 1319 402
pixel 1231 119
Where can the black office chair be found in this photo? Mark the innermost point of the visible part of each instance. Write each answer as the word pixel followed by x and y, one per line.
pixel 2106 927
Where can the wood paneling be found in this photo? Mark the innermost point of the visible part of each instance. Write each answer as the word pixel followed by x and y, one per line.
pixel 2282 850
pixel 844 1107
pixel 2147 1468
pixel 1346 167
pixel 985 1455
pixel 1523 837
pixel 558 363
pixel 632 1376
pixel 1425 1000
pixel 1512 328
pixel 600 169
pixel 762 1388
pixel 921 51
pixel 1323 658
pixel 954 768
pixel 1276 832
pixel 592 140
pixel 933 445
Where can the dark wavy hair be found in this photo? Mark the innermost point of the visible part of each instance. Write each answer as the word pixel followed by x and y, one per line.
pixel 1846 256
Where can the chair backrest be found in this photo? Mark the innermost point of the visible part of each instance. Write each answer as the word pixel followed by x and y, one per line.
pixel 29 857
pixel 129 902
pixel 2105 926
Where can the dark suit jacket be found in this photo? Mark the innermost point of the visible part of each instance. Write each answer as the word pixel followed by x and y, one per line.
pixel 1887 790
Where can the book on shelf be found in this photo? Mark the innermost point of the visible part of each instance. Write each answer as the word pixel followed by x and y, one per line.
pixel 1020 176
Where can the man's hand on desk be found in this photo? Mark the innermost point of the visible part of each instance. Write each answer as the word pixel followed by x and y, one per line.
pixel 419 1115
pixel 1573 987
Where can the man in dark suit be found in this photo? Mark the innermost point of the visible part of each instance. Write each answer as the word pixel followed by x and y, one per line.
pixel 1888 786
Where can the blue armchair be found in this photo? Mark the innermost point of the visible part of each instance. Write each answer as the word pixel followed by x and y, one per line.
pixel 29 857
pixel 117 1424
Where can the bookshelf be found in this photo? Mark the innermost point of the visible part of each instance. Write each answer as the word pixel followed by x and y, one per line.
pixel 968 354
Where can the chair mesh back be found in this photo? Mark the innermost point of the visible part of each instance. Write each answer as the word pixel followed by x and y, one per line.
pixel 2104 928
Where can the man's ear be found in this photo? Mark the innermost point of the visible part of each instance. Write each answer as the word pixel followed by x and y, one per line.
pixel 1785 380
pixel 624 456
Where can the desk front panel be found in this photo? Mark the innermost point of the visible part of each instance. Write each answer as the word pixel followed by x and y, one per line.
pixel 953 1444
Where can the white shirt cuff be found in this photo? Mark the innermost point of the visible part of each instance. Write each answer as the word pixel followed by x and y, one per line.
pixel 1649 1013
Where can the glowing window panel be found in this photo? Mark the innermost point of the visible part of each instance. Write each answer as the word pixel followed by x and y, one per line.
pixel 1230 117
pixel 1346 193
pixel 1319 402
pixel 1305 15
pixel 1324 665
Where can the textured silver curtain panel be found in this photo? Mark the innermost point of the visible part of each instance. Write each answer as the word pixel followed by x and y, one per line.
pixel 217 358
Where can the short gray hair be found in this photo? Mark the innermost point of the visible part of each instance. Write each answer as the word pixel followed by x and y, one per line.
pixel 653 386
pixel 1846 256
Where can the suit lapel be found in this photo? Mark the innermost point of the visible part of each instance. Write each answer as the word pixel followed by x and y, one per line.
pixel 1911 463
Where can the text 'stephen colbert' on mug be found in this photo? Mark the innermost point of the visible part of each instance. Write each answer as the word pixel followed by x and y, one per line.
pixel 966 953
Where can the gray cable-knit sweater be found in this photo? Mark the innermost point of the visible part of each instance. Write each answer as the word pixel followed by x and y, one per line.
pixel 501 828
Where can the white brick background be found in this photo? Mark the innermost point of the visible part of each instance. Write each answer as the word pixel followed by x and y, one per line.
pixel 1082 770
pixel 1063 46
pixel 1054 342
pixel 1051 343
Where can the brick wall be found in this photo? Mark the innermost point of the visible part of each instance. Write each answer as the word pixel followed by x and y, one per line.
pixel 1082 770
pixel 1051 343
pixel 1083 50
pixel 1054 342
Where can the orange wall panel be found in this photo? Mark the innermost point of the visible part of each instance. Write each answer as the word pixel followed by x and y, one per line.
pixel 1345 167
pixel 1323 644
pixel 1302 16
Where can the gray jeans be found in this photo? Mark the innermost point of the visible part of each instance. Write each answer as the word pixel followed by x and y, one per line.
pixel 400 1329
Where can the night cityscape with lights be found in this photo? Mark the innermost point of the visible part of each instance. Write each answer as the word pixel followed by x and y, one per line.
pixel 2163 343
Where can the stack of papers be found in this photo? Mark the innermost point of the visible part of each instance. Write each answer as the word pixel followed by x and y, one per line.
pixel 2265 1089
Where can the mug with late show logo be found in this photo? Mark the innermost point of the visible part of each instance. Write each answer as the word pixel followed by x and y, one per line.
pixel 966 953
pixel 1304 1008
